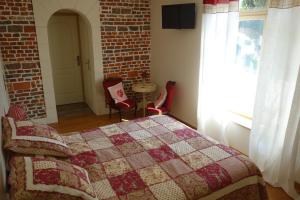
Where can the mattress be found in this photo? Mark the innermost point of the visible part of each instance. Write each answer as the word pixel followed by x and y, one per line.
pixel 158 157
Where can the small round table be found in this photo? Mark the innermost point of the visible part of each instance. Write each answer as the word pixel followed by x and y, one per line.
pixel 144 88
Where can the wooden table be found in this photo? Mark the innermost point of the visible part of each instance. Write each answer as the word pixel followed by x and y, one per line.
pixel 144 88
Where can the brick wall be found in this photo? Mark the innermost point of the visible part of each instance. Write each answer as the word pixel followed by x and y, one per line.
pixel 125 37
pixel 20 56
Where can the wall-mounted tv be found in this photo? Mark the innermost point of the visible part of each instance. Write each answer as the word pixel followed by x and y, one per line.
pixel 179 16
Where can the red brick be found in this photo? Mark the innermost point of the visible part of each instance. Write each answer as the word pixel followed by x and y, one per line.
pixel 15 28
pixel 29 28
pixel 132 74
pixel 116 74
pixel 21 86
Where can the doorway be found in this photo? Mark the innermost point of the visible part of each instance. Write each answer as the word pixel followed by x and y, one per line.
pixel 69 46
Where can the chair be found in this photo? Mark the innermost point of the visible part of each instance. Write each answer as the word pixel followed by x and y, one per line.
pixel 109 101
pixel 166 107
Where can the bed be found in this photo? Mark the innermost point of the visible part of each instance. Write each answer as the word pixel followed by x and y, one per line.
pixel 158 157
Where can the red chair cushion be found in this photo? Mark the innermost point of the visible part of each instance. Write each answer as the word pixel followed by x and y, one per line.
pixel 161 110
pixel 127 104
pixel 171 89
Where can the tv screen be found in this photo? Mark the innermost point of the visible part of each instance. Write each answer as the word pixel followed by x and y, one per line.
pixel 179 16
pixel 170 17
pixel 187 16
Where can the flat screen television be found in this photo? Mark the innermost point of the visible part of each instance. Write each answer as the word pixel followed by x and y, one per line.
pixel 179 16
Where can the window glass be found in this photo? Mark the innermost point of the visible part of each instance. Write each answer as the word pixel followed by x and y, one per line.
pixel 247 62
pixel 249 44
pixel 252 4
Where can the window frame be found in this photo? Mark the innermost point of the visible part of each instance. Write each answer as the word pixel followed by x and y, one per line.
pixel 253 15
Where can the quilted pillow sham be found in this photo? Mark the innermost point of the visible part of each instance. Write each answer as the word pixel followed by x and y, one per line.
pixel 27 137
pixel 117 93
pixel 33 178
pixel 18 112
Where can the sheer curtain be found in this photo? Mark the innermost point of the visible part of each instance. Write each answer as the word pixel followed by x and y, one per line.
pixel 275 135
pixel 219 35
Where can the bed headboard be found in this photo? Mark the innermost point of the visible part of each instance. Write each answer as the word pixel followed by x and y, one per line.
pixel 4 102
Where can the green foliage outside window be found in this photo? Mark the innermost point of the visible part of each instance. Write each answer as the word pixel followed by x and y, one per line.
pixel 252 4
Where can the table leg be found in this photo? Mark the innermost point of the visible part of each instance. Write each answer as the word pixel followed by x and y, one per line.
pixel 144 104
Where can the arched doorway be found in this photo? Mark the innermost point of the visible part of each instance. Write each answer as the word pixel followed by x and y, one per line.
pixel 88 10
pixel 70 47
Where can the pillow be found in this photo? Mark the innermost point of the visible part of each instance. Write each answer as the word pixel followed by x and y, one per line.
pixel 117 92
pixel 34 178
pixel 161 99
pixel 18 112
pixel 30 138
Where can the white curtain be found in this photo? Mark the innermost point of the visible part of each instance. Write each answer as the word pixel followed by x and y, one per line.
pixel 219 36
pixel 275 135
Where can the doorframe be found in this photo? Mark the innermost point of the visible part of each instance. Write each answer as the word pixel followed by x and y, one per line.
pixel 89 10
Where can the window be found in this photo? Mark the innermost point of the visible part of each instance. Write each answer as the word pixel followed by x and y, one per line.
pixel 249 45
pixel 247 5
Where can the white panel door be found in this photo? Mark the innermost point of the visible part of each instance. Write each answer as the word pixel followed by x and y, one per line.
pixel 64 51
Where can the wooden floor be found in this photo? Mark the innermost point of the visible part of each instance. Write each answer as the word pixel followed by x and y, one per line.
pixel 90 121
pixel 74 109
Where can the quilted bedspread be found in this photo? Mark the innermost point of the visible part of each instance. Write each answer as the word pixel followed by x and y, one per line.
pixel 160 158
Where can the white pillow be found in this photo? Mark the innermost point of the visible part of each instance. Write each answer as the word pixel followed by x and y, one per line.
pixel 161 99
pixel 117 92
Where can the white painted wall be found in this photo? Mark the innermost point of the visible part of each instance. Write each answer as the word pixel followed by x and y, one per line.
pixel 175 56
pixel 4 102
pixel 3 92
pixel 298 167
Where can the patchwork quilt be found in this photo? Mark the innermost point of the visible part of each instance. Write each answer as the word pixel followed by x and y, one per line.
pixel 160 158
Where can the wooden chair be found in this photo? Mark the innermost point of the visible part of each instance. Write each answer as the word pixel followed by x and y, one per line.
pixel 109 101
